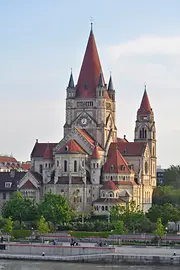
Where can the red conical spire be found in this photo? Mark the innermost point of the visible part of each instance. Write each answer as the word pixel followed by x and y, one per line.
pixel 95 153
pixel 90 70
pixel 145 107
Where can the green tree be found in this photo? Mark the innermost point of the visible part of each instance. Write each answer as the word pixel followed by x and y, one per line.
pixel 133 218
pixel 43 226
pixel 166 194
pixel 166 212
pixel 160 231
pixel 55 208
pixel 20 208
pixel 8 226
pixel 119 227
pixel 172 176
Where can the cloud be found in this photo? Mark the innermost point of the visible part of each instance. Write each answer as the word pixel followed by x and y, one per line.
pixel 156 61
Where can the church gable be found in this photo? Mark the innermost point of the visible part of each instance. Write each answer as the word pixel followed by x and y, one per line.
pixel 84 120
pixel 30 180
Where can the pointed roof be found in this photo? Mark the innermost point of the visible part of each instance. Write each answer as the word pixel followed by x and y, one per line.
pixel 48 152
pixel 145 107
pixel 72 147
pixel 115 162
pixel 109 185
pixel 95 153
pixel 110 85
pixel 90 70
pixel 101 80
pixel 71 81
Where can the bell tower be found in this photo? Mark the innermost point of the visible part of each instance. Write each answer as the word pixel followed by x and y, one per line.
pixel 90 105
pixel 145 131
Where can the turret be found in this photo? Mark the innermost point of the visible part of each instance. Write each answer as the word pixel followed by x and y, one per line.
pixel 111 90
pixel 95 161
pixel 71 90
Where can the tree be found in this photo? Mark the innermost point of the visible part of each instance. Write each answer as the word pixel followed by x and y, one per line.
pixel 55 208
pixel 8 226
pixel 133 218
pixel 160 231
pixel 20 208
pixel 166 194
pixel 172 176
pixel 119 227
pixel 166 212
pixel 43 226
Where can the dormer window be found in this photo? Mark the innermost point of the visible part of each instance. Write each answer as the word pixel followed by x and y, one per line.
pixel 85 86
pixel 8 184
pixel 66 148
pixel 122 167
pixel 112 168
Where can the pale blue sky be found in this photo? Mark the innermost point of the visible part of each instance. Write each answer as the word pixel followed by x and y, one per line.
pixel 41 40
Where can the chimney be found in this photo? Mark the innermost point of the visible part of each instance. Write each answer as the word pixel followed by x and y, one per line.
pixel 36 140
pixel 125 137
pixel 12 173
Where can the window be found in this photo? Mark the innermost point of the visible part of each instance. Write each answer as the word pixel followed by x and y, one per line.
pixel 83 163
pixel 57 163
pixel 111 195
pixel 62 190
pixel 75 166
pixel 94 165
pixel 40 168
pixel 4 196
pixel 102 208
pixel 65 165
pixel 8 184
pixel 112 168
pixel 46 165
pixel 49 165
pixel 146 167
pixel 106 208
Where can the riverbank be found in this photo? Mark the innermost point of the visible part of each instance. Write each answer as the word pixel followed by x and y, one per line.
pixel 108 259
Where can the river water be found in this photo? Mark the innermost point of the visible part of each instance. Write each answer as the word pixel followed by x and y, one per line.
pixel 31 265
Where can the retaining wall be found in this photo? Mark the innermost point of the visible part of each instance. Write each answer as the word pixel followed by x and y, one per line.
pixel 55 250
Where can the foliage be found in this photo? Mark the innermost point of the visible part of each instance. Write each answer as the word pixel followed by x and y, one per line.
pixel 8 226
pixel 134 219
pixel 119 227
pixel 20 208
pixel 55 208
pixel 17 225
pixel 172 176
pixel 160 231
pixel 166 212
pixel 43 227
pixel 166 194
pixel 1 222
pixel 21 234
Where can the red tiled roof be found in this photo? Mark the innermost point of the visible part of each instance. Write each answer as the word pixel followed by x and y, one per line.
pixel 71 147
pixel 90 71
pixel 115 162
pixel 145 107
pixel 109 185
pixel 88 137
pixel 123 140
pixel 48 152
pixel 26 166
pixel 28 185
pixel 7 159
pixel 131 148
pixel 40 148
pixel 95 153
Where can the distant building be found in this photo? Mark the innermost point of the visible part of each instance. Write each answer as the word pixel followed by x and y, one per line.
pixel 160 175
pixel 8 163
pixel 8 184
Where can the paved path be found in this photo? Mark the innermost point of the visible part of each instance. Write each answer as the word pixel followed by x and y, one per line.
pixel 165 251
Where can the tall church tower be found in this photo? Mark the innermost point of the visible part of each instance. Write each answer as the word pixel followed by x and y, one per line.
pixel 90 105
pixel 145 131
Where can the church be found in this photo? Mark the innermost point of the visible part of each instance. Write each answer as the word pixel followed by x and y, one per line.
pixel 91 165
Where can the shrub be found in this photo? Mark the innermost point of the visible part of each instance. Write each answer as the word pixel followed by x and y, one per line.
pixel 89 234
pixel 21 234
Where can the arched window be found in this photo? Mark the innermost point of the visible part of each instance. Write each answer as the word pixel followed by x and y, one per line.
pixel 40 168
pixel 111 195
pixel 102 208
pixel 75 166
pixel 145 133
pixel 57 163
pixel 153 151
pixel 106 208
pixel 65 166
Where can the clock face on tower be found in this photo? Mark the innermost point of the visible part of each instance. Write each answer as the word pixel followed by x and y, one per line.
pixel 84 121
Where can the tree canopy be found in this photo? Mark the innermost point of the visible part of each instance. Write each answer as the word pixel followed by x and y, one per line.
pixel 172 176
pixel 55 208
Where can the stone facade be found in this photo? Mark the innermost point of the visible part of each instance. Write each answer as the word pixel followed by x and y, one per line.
pixel 91 166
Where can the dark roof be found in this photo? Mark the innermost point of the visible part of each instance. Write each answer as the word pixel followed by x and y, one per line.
pixel 37 176
pixel 65 180
pixel 7 177
pixel 40 148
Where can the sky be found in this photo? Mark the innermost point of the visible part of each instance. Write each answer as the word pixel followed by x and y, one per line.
pixel 41 40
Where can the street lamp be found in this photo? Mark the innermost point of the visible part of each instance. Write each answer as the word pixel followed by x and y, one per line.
pixel 31 234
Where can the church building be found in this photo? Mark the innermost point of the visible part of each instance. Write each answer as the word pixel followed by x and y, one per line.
pixel 91 165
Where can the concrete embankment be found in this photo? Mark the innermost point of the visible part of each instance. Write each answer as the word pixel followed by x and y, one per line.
pixel 112 259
